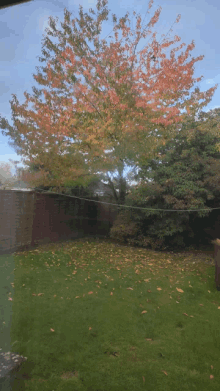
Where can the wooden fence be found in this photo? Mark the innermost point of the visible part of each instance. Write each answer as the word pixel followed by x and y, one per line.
pixel 30 218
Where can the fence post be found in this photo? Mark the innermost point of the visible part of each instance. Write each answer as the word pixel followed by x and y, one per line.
pixel 216 243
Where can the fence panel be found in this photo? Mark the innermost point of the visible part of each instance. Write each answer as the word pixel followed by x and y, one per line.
pixel 30 218
pixel 16 210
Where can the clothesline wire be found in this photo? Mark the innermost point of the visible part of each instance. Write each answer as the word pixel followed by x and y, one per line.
pixel 128 206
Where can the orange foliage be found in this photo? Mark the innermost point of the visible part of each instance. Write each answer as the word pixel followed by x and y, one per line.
pixel 118 99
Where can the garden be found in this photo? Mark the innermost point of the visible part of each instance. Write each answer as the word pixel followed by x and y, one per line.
pixel 94 314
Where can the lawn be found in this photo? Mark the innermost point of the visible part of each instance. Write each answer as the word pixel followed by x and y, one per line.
pixel 92 315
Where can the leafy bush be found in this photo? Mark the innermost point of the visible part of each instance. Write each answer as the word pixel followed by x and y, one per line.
pixel 187 179
pixel 124 227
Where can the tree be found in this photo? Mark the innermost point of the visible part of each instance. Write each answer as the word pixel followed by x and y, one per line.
pixel 115 109
pixel 117 187
pixel 187 179
pixel 7 180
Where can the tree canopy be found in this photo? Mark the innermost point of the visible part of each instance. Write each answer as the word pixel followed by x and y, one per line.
pixel 116 107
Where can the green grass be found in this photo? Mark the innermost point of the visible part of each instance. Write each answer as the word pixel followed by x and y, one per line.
pixel 92 315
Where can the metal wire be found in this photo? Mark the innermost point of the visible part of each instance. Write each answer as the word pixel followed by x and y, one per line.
pixel 128 206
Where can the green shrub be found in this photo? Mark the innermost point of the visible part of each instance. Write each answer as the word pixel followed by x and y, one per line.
pixel 124 228
pixel 148 242
pixel 185 178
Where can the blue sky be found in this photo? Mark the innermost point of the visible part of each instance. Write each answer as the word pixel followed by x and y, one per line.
pixel 22 28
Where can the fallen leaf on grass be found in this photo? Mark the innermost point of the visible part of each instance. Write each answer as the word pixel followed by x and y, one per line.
pixel 51 330
pixel 143 312
pixel 165 373
pixel 211 377
pixel 130 288
pixel 39 294
pixel 179 290
pixel 159 289
pixel 68 375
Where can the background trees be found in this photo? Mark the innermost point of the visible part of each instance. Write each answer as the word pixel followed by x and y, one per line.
pixel 7 179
